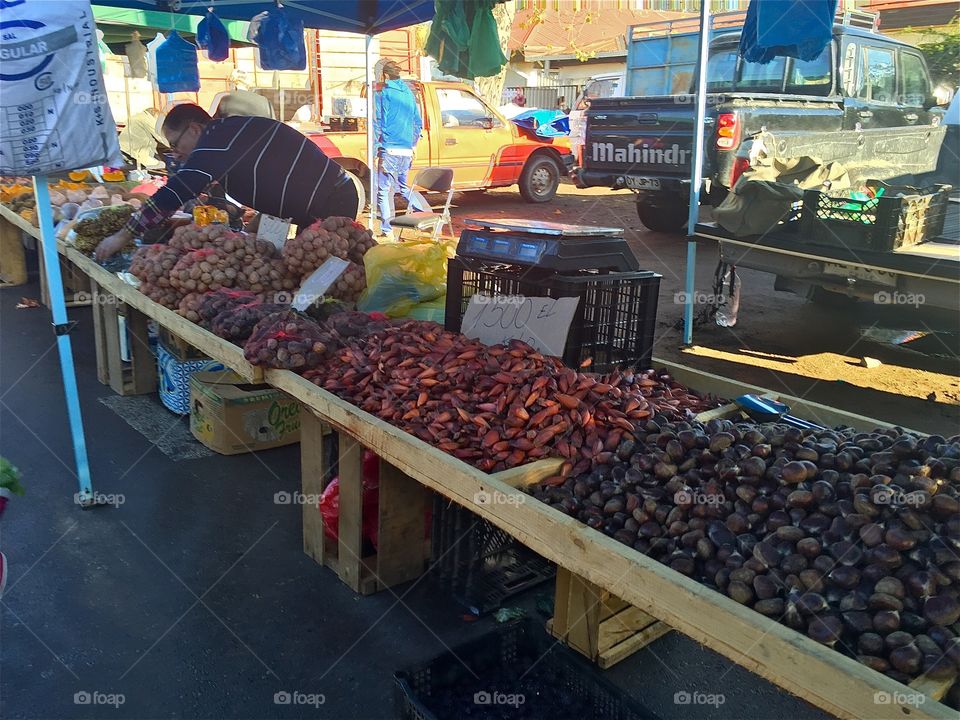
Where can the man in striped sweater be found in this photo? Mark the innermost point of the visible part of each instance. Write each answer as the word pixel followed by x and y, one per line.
pixel 262 163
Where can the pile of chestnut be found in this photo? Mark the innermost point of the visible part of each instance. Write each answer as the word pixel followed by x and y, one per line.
pixel 852 538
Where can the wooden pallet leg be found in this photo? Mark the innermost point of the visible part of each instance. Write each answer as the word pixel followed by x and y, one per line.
pixel 107 307
pixel 314 479
pixel 597 624
pixel 350 544
pixel 583 616
pixel 99 333
pixel 401 551
pixel 144 364
pixel 13 262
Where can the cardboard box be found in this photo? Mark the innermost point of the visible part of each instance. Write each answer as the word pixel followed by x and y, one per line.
pixel 231 416
pixel 178 347
pixel 174 382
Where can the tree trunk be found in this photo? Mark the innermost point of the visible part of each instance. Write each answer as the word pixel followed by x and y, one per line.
pixel 491 88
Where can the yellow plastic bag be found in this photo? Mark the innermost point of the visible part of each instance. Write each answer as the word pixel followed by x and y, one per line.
pixel 402 275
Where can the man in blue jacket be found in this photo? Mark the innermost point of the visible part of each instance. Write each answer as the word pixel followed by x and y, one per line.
pixel 397 128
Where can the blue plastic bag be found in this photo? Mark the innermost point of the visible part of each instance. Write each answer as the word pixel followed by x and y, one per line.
pixel 280 40
pixel 212 36
pixel 177 66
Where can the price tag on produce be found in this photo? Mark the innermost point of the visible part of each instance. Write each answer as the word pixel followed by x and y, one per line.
pixel 273 230
pixel 541 322
pixel 319 282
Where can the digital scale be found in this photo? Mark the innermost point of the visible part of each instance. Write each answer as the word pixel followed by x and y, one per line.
pixel 550 246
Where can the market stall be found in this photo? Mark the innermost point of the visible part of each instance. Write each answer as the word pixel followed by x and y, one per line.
pixel 667 590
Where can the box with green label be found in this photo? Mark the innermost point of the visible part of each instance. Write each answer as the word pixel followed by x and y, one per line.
pixel 231 416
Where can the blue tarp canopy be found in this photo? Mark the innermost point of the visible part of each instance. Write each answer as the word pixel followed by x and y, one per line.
pixel 366 17
pixel 791 28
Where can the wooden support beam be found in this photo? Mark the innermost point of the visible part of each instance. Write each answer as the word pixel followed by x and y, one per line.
pixel 350 545
pixel 401 552
pixel 313 472
pixel 13 262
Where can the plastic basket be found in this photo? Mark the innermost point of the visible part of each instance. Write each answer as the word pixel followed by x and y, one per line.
pixel 480 564
pixel 902 216
pixel 478 679
pixel 615 318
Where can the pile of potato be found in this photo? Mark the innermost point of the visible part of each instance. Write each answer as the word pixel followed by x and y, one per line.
pixel 152 265
pixel 334 237
pixel 288 340
pixel 199 260
pixel 350 285
pixel 215 303
pixel 237 323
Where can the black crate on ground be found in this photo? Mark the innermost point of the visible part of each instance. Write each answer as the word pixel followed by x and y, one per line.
pixel 615 319
pixel 514 660
pixel 480 564
pixel 902 216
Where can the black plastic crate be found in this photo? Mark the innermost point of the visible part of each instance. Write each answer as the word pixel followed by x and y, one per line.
pixel 615 318
pixel 902 216
pixel 480 678
pixel 480 564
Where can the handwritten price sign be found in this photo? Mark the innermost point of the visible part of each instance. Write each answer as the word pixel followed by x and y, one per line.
pixel 541 322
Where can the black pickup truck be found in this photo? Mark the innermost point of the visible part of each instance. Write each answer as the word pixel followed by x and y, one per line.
pixel 866 102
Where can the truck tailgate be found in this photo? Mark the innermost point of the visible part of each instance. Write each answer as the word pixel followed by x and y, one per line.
pixel 642 137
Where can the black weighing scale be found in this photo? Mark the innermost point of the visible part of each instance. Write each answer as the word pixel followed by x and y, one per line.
pixel 549 246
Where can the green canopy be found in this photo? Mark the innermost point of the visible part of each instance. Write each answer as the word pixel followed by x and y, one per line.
pixel 464 39
pixel 118 23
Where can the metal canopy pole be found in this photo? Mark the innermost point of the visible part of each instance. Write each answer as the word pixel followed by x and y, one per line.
pixel 58 307
pixel 370 137
pixel 696 171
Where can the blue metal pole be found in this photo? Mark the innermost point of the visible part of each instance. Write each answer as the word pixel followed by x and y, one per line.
pixel 696 171
pixel 58 308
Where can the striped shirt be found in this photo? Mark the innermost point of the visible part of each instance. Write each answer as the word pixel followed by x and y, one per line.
pixel 263 164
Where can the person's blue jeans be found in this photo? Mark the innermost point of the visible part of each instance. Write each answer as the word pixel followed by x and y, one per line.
pixel 392 178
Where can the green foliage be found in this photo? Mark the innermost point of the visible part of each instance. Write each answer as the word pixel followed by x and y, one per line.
pixel 943 54
pixel 10 477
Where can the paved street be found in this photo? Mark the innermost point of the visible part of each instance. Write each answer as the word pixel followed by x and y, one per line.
pixel 781 341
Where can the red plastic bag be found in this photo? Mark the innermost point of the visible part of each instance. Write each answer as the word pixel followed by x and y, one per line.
pixel 329 504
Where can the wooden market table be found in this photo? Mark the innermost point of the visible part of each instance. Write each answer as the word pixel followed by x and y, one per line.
pixel 409 467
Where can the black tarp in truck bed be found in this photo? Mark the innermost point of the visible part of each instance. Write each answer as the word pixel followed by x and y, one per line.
pixel 938 258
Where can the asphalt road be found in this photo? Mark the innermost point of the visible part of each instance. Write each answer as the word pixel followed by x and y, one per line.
pixel 781 341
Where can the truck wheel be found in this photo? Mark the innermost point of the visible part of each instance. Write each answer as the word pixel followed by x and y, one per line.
pixel 539 179
pixel 669 218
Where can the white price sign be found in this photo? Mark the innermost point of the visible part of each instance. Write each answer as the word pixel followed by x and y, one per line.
pixel 541 322
pixel 319 282
pixel 273 230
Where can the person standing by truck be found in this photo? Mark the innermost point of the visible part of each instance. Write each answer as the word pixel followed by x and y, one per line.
pixel 397 127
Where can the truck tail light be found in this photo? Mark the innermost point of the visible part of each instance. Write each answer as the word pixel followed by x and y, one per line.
pixel 740 166
pixel 728 131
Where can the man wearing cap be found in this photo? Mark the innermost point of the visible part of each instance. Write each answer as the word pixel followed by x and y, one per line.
pixel 266 165
pixel 397 129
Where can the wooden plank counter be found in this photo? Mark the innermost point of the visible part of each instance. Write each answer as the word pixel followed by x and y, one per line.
pixel 819 675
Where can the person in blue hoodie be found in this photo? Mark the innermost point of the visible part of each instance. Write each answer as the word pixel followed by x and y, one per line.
pixel 397 130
